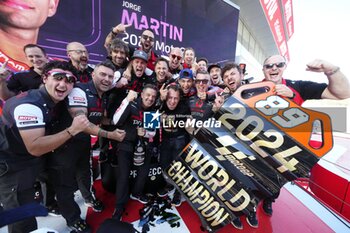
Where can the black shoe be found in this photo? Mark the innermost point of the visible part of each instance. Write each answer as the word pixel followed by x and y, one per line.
pixel 95 204
pixel 176 201
pixel 168 189
pixel 144 199
pixel 102 157
pixel 252 220
pixel 237 223
pixel 118 214
pixel 267 207
pixel 53 210
pixel 80 226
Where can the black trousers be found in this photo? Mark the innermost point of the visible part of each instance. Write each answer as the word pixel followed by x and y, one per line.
pixel 170 149
pixel 125 163
pixel 17 188
pixel 70 167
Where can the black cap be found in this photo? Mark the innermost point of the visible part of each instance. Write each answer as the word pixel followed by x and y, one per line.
pixel 213 65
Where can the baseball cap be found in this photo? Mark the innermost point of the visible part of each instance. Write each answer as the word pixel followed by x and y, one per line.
pixel 186 73
pixel 213 65
pixel 140 54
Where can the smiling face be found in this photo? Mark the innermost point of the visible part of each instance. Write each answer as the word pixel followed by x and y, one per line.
pixel 161 70
pixel 186 84
pixel 58 87
pixel 78 54
pixel 202 82
pixel 175 58
pixel 118 56
pixel 148 96
pixel 215 75
pixel 232 79
pixel 36 57
pixel 189 56
pixel 24 14
pixel 173 99
pixel 147 40
pixel 139 66
pixel 103 79
pixel 273 68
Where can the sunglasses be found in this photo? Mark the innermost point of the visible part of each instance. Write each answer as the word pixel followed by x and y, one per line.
pixel 278 65
pixel 147 38
pixel 199 81
pixel 78 51
pixel 173 56
pixel 59 75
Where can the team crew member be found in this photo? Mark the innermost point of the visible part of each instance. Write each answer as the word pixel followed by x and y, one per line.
pixel 25 80
pixel 186 84
pixel 299 91
pixel 146 43
pixel 174 138
pixel 203 106
pixel 79 57
pixel 73 160
pixel 26 137
pixel 130 117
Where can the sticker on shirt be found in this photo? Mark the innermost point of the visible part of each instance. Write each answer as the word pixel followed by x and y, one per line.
pixel 28 115
pixel 77 98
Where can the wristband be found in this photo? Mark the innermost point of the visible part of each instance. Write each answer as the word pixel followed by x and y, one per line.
pixel 332 72
pixel 70 134
pixel 114 33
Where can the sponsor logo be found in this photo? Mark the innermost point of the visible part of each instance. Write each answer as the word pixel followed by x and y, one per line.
pixel 27 118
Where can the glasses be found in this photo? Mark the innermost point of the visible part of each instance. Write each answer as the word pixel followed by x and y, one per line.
pixel 278 65
pixel 203 81
pixel 148 38
pixel 78 51
pixel 59 75
pixel 173 56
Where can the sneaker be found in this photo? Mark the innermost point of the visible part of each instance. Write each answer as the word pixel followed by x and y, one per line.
pixel 176 201
pixel 80 226
pixel 102 157
pixel 252 220
pixel 53 210
pixel 167 190
pixel 118 214
pixel 95 204
pixel 142 198
pixel 237 223
pixel 267 207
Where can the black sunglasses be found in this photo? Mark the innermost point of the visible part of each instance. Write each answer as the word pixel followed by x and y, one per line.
pixel 174 56
pixel 204 81
pixel 147 38
pixel 58 75
pixel 278 65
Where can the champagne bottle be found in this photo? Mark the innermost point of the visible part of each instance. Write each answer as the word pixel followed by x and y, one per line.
pixel 139 152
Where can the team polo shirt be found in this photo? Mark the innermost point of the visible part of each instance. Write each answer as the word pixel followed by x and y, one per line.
pixel 28 110
pixel 24 81
pixel 85 95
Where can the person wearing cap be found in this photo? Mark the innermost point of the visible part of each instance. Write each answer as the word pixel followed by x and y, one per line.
pixel 70 164
pixel 140 75
pixel 185 81
pixel 146 43
pixel 26 136
pixel 215 75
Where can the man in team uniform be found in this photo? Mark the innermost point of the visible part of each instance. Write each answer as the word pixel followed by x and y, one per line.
pixel 26 136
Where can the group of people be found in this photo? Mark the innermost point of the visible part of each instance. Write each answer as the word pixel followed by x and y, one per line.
pixel 52 109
